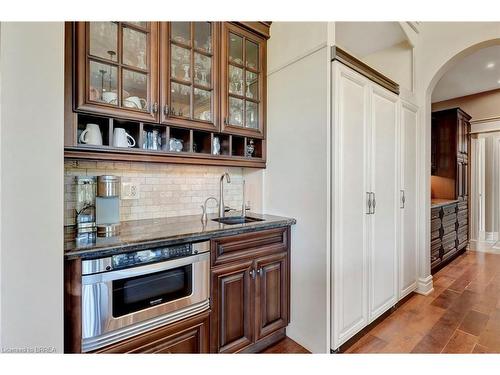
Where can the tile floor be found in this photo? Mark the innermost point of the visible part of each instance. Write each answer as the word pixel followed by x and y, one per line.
pixel 461 315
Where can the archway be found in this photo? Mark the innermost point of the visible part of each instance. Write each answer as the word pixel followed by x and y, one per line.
pixel 425 279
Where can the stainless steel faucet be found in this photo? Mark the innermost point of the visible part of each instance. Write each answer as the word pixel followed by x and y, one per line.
pixel 222 208
pixel 204 217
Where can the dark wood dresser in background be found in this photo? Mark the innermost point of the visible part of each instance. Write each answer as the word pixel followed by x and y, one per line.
pixel 450 160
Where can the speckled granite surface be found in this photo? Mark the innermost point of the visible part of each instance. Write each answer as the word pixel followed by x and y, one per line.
pixel 442 202
pixel 143 234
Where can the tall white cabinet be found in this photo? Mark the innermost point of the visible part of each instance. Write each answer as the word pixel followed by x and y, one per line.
pixel 373 202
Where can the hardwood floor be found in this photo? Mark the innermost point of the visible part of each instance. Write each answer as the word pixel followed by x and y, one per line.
pixel 461 315
pixel 286 346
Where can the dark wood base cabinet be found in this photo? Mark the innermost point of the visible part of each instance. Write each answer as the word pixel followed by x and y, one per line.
pixel 250 291
pixel 188 336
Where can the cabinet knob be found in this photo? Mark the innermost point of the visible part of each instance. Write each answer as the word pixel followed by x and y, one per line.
pixel 260 271
pixel 165 110
pixel 155 107
pixel 252 274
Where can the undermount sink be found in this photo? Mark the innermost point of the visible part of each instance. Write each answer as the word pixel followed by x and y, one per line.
pixel 231 220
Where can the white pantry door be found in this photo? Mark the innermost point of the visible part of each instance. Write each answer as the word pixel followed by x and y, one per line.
pixel 408 200
pixel 349 261
pixel 384 185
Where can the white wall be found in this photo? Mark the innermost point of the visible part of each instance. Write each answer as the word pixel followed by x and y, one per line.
pixel 31 149
pixel 296 179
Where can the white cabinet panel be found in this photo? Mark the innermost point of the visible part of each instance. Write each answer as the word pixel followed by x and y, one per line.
pixel 349 260
pixel 408 201
pixel 384 174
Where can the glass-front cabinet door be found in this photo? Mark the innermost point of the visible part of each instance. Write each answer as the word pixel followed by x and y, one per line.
pixel 188 71
pixel 243 90
pixel 117 69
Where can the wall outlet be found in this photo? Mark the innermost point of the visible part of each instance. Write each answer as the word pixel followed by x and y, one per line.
pixel 130 190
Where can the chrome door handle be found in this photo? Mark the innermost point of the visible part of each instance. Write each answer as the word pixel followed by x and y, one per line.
pixel 374 203
pixel 369 202
pixel 403 199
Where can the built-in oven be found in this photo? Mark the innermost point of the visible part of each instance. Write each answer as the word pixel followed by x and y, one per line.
pixel 129 293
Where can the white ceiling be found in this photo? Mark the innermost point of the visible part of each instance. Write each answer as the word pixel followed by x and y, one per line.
pixel 470 76
pixel 364 38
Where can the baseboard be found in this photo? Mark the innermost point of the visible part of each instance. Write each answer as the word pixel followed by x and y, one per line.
pixel 425 286
pixel 491 236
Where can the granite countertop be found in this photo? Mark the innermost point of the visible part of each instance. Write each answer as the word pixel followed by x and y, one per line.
pixel 143 234
pixel 442 202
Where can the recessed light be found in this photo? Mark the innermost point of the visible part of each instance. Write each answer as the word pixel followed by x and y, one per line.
pixel 490 65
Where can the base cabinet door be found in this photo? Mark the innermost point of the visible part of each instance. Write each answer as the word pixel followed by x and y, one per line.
pixel 232 304
pixel 271 294
pixel 189 336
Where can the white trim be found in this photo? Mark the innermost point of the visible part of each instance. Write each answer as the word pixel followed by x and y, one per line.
pixel 425 286
pixel 491 236
pixel 484 126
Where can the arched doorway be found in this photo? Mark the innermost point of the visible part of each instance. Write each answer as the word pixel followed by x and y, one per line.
pixel 426 90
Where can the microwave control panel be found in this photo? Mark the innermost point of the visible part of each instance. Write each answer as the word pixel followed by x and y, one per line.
pixel 136 258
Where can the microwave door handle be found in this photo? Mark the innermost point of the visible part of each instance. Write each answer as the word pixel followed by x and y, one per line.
pixel 144 270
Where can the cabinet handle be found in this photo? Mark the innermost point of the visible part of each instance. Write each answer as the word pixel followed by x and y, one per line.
pixel 403 199
pixel 369 202
pixel 165 110
pixel 155 107
pixel 374 203
pixel 252 274
pixel 260 271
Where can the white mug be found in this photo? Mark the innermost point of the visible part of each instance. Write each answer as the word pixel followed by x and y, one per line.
pixel 91 135
pixel 121 138
pixel 110 97
pixel 135 102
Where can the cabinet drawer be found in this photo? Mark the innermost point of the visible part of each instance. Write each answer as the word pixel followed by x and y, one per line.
pixel 462 205
pixel 436 234
pixel 448 229
pixel 249 245
pixel 449 219
pixel 462 215
pixel 436 245
pixel 188 336
pixel 447 210
pixel 435 213
pixel 435 224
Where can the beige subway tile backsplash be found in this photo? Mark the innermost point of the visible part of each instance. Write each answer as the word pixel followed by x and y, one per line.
pixel 165 190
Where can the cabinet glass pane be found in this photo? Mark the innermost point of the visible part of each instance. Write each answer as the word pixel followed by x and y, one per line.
pixel 134 48
pixel 252 55
pixel 135 90
pixel 103 40
pixel 235 48
pixel 235 80
pixel 252 82
pixel 236 111
pixel 252 115
pixel 103 83
pixel 181 100
pixel 181 32
pixel 202 69
pixel 139 23
pixel 181 63
pixel 203 36
pixel 202 105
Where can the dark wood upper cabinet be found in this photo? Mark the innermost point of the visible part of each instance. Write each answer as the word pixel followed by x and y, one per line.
pixel 116 69
pixel 189 74
pixel 243 81
pixel 198 84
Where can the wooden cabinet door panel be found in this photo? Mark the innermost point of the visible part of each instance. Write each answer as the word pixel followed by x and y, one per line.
pixel 116 73
pixel 243 81
pixel 232 303
pixel 271 300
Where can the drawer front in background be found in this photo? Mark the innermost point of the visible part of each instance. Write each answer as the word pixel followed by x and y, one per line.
pixel 436 213
pixel 447 210
pixel 249 245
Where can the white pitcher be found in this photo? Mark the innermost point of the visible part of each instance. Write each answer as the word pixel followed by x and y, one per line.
pixel 91 135
pixel 122 139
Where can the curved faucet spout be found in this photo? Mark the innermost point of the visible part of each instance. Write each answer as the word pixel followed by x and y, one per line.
pixel 221 193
